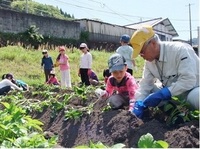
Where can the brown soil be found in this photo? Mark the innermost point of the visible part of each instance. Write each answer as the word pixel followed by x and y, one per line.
pixel 114 126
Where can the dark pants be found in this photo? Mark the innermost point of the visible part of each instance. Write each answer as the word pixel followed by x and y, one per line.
pixel 130 71
pixel 47 74
pixel 84 76
pixel 5 90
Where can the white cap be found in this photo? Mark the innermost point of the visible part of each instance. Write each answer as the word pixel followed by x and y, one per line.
pixel 44 51
pixel 83 45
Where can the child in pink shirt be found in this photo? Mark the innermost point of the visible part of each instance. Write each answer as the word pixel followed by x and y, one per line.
pixel 53 79
pixel 63 61
pixel 121 85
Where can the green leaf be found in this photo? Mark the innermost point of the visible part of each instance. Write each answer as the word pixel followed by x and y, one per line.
pixel 6 105
pixel 118 145
pixel 97 145
pixel 146 141
pixel 195 114
pixel 163 144
pixel 82 146
pixel 168 107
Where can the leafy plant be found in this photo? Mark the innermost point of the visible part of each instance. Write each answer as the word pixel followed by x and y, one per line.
pixel 32 36
pixel 84 36
pixel 100 145
pixel 33 140
pixel 147 141
pixel 19 130
pixel 194 114
pixel 83 91
pixel 59 105
pixel 179 112
pixel 107 108
pixel 73 114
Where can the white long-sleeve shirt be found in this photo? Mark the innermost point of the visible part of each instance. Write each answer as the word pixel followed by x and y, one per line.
pixel 178 67
pixel 6 82
pixel 86 60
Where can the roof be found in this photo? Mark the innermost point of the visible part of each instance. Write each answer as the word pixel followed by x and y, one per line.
pixel 166 22
pixel 98 21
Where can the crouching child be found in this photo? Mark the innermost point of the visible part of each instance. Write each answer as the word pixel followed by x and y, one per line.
pixel 121 86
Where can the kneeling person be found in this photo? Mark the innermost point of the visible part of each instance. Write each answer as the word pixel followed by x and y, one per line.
pixel 120 82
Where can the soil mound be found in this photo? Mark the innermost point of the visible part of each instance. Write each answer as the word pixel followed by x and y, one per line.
pixel 112 126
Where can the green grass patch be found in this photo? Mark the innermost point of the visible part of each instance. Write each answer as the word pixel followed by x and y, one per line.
pixel 24 64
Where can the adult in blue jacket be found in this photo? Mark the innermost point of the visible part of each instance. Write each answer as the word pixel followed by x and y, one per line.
pixel 174 64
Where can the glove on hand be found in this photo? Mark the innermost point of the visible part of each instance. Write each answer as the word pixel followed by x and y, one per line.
pixel 155 98
pixel 138 108
pixel 100 93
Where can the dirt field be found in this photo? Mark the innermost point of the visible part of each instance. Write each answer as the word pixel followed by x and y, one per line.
pixel 114 126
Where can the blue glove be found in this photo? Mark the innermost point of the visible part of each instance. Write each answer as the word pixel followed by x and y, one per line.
pixel 138 108
pixel 155 98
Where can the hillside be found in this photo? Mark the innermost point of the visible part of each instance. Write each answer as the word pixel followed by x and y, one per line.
pixel 36 8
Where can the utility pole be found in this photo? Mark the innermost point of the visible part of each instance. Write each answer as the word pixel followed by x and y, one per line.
pixel 190 25
pixel 198 30
pixel 26 6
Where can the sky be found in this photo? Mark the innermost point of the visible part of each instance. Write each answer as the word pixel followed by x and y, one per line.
pixel 124 12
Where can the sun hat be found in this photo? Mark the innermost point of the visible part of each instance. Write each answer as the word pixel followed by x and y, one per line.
pixel 61 48
pixel 116 62
pixel 44 51
pixel 52 73
pixel 139 37
pixel 83 45
pixel 125 38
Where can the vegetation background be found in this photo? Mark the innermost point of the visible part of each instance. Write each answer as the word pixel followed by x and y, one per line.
pixel 25 64
pixel 39 9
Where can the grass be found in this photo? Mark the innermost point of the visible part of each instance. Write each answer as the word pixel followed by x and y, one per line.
pixel 25 64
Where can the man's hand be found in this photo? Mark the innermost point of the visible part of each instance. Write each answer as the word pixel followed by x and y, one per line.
pixel 155 98
pixel 138 108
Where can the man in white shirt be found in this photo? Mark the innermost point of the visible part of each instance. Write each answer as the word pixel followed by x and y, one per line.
pixel 174 64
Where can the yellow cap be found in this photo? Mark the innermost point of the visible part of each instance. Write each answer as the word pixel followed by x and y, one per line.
pixel 139 37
